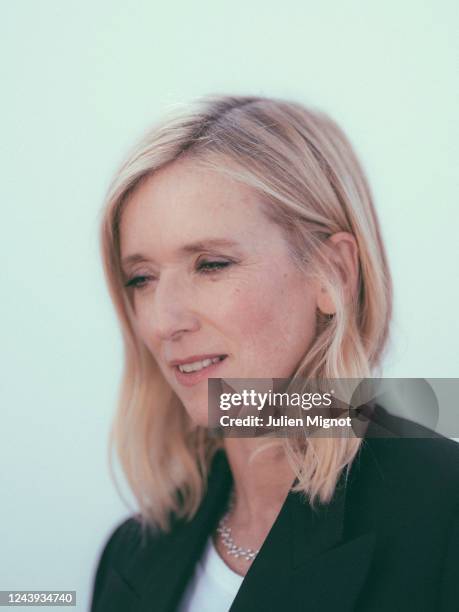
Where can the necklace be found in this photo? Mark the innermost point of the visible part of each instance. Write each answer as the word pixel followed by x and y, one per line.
pixel 225 534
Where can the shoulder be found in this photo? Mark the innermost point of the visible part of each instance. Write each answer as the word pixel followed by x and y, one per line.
pixel 122 547
pixel 412 476
pixel 130 537
pixel 124 535
pixel 410 453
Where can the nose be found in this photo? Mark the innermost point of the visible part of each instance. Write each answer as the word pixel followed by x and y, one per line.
pixel 172 312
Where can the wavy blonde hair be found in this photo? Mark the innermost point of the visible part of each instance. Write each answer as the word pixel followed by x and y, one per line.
pixel 304 169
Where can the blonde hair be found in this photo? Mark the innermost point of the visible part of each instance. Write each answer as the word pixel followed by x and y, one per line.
pixel 307 174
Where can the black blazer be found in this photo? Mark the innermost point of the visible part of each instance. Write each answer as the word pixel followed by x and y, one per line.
pixel 388 541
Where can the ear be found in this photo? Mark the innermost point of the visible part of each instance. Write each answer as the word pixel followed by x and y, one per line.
pixel 345 254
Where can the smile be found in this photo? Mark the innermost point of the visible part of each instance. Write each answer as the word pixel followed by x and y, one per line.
pixel 189 374
pixel 198 365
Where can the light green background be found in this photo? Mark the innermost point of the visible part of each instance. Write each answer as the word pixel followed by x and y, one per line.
pixel 80 82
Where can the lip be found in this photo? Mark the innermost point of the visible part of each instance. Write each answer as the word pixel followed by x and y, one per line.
pixel 176 362
pixel 193 378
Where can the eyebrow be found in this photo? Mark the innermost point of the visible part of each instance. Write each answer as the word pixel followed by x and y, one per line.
pixel 187 249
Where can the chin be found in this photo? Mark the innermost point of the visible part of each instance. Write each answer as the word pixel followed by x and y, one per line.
pixel 201 422
pixel 199 416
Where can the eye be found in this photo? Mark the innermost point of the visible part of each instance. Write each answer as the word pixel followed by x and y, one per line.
pixel 205 267
pixel 138 282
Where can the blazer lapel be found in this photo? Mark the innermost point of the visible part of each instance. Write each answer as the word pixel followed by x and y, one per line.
pixel 306 563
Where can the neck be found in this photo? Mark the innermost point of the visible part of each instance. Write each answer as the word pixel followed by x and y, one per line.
pixel 262 479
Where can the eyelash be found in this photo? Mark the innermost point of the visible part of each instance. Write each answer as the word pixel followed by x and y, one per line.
pixel 138 282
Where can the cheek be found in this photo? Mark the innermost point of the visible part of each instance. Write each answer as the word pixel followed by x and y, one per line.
pixel 274 320
pixel 140 324
pixel 144 328
pixel 261 316
pixel 247 308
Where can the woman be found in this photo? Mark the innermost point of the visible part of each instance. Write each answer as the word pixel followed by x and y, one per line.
pixel 240 241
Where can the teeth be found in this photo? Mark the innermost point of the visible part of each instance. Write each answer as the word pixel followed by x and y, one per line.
pixel 197 365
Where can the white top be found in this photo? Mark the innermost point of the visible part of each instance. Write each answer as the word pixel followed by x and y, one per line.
pixel 213 585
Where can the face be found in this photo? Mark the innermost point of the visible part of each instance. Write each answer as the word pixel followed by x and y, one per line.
pixel 212 277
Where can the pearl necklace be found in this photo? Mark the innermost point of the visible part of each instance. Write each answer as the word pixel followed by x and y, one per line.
pixel 225 534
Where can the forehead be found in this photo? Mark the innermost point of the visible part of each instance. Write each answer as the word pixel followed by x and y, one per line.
pixel 185 201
